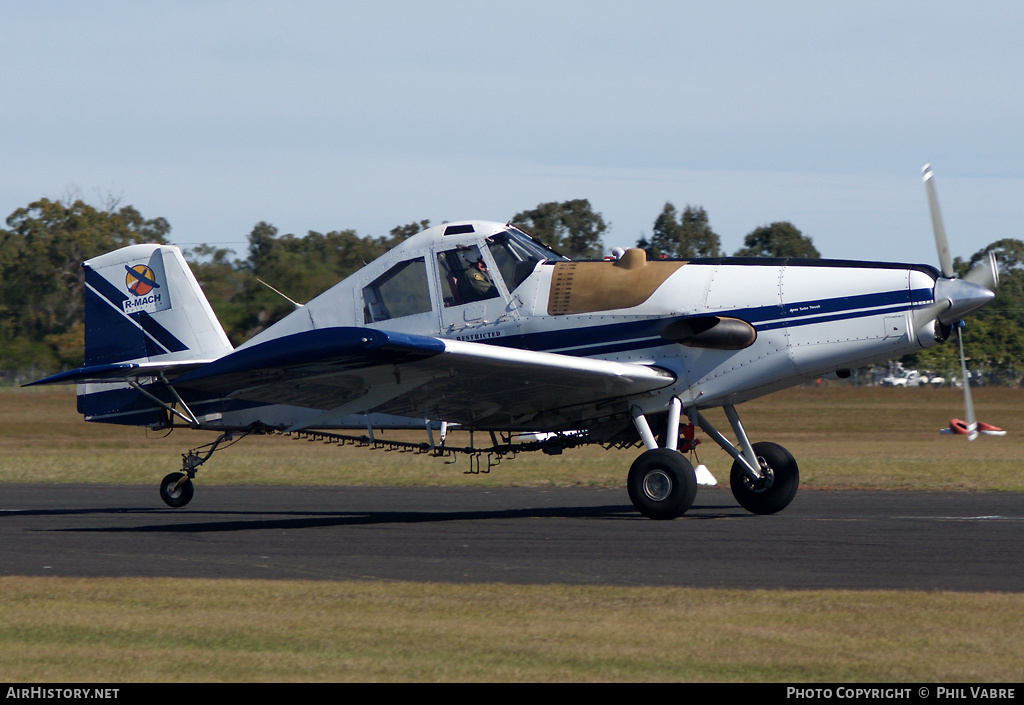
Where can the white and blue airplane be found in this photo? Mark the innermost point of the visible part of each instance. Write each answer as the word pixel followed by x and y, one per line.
pixel 479 326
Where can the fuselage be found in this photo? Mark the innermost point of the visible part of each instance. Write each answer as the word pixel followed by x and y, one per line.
pixel 808 317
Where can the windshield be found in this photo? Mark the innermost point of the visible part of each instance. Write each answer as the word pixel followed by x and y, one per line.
pixel 516 254
pixel 528 243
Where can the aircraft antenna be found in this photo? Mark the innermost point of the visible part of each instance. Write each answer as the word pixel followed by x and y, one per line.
pixel 293 302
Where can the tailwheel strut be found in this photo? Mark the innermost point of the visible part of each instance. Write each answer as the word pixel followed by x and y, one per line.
pixel 176 489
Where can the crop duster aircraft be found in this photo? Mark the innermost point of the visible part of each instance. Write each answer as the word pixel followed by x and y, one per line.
pixel 479 326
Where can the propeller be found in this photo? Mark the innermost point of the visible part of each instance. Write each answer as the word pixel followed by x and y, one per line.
pixel 958 297
pixel 985 272
pixel 945 260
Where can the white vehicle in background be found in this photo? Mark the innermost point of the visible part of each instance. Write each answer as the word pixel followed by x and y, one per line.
pixel 899 379
pixel 912 378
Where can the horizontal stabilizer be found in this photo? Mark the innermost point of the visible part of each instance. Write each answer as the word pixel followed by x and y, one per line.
pixel 119 372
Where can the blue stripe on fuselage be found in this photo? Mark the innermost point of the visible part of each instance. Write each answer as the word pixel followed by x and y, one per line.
pixel 614 338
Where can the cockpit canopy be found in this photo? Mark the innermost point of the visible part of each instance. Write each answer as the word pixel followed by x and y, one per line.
pixel 437 282
pixel 466 264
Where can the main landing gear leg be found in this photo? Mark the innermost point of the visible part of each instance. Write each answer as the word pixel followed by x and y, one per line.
pixel 661 482
pixel 176 489
pixel 764 476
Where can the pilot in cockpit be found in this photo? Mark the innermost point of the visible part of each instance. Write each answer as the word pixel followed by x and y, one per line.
pixel 475 284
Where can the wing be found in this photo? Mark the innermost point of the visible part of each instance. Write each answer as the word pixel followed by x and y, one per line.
pixel 361 370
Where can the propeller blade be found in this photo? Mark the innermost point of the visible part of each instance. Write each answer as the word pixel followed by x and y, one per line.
pixel 972 422
pixel 985 272
pixel 945 260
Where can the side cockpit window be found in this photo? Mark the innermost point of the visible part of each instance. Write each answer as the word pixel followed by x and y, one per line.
pixel 465 276
pixel 402 291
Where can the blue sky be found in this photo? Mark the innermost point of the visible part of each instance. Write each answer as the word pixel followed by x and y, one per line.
pixel 332 115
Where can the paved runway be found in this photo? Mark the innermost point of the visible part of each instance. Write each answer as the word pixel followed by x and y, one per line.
pixel 861 540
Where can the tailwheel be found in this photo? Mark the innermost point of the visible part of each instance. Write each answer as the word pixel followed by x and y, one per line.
pixel 662 484
pixel 777 486
pixel 176 489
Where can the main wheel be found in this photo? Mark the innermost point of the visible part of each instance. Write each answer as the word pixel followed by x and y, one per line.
pixel 661 484
pixel 176 496
pixel 773 492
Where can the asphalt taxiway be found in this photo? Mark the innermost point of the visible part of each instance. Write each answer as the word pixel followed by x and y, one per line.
pixel 825 539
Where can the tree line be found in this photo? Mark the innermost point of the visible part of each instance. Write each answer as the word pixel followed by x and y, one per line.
pixel 41 281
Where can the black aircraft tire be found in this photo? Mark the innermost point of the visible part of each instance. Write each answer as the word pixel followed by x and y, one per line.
pixel 776 492
pixel 179 497
pixel 661 484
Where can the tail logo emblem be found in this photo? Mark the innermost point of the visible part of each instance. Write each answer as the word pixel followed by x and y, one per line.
pixel 146 294
pixel 140 280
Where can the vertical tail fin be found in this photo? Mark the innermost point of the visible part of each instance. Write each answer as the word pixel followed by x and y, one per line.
pixel 143 304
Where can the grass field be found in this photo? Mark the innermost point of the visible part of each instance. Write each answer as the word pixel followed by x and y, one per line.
pixel 143 630
pixel 157 630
